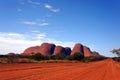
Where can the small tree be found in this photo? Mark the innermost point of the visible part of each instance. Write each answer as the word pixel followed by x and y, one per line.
pixel 53 57
pixel 76 56
pixel 116 51
pixel 60 56
pixel 37 56
pixel 12 57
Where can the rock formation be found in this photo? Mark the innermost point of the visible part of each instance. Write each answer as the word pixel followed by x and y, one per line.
pixel 58 50
pixel 32 50
pixel 94 53
pixel 47 49
pixel 51 49
pixel 77 48
pixel 87 51
pixel 67 51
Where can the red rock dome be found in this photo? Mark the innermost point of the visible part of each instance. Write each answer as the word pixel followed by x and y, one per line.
pixel 31 50
pixel 77 48
pixel 47 49
pixel 59 49
pixel 87 51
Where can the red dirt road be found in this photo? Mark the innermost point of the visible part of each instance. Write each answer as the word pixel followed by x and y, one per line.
pixel 101 70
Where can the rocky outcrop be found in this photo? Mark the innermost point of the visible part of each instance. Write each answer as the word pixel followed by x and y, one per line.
pixel 44 49
pixel 47 49
pixel 67 51
pixel 11 54
pixel 32 50
pixel 94 53
pixel 58 50
pixel 77 48
pixel 51 49
pixel 87 51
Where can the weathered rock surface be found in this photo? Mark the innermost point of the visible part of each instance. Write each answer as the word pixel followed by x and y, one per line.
pixel 77 48
pixel 58 50
pixel 94 53
pixel 47 49
pixel 32 50
pixel 44 49
pixel 51 49
pixel 67 50
pixel 87 51
pixel 11 54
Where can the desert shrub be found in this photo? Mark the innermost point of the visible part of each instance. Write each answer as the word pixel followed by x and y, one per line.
pixel 47 57
pixel 69 57
pixel 3 60
pixel 116 59
pixel 25 60
pixel 3 56
pixel 88 59
pixel 37 56
pixel 60 56
pixel 13 58
pixel 99 57
pixel 53 57
pixel 93 58
pixel 76 56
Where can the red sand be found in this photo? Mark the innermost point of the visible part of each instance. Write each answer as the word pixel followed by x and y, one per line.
pixel 101 70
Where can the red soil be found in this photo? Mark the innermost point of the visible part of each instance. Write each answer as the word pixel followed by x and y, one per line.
pixel 101 70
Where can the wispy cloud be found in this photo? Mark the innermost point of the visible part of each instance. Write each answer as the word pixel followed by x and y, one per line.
pixel 35 23
pixel 51 8
pixel 43 24
pixel 15 42
pixel 11 35
pixel 34 3
pixel 37 4
pixel 29 22
pixel 35 31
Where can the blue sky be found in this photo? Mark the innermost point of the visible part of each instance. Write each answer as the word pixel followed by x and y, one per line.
pixel 25 23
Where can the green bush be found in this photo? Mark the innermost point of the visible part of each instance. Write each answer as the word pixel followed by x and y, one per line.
pixel 37 56
pixel 76 56
pixel 3 56
pixel 60 56
pixel 93 58
pixel 88 59
pixel 53 57
pixel 116 59
pixel 46 57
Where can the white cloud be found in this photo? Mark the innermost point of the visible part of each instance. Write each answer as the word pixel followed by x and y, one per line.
pixel 11 35
pixel 51 8
pixel 48 6
pixel 34 23
pixel 55 10
pixel 29 22
pixel 43 24
pixel 41 36
pixel 31 2
pixel 15 42
pixel 35 31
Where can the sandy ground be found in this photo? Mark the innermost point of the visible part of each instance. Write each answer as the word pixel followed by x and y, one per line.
pixel 101 70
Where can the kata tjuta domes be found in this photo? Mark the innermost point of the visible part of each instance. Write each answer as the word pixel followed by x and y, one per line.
pixel 51 49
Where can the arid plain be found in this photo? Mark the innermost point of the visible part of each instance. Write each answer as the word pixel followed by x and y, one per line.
pixel 99 70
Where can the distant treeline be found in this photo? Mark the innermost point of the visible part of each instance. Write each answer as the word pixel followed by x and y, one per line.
pixel 15 58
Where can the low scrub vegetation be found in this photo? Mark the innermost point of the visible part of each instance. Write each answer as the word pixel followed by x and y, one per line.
pixel 93 58
pixel 38 57
pixel 116 59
